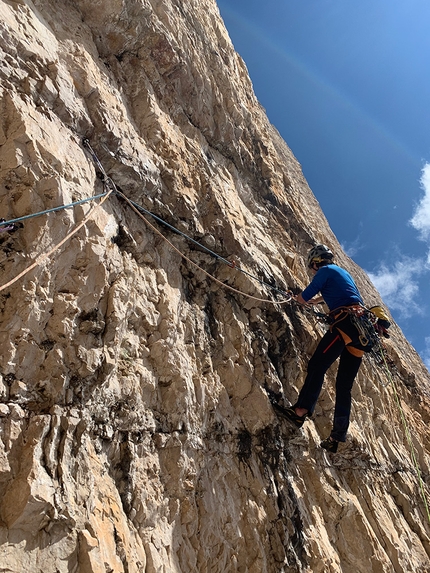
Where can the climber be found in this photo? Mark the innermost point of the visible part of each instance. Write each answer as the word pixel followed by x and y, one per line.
pixel 340 293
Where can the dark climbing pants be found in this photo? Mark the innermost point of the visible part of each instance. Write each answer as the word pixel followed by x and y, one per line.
pixel 331 346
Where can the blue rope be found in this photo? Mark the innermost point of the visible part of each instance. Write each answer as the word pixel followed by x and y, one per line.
pixel 5 223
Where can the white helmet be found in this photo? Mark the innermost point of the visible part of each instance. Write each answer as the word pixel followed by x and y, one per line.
pixel 319 254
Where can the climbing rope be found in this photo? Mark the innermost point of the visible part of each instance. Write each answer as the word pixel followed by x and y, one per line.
pixel 226 286
pixel 59 208
pixel 41 258
pixel 110 187
pixel 141 211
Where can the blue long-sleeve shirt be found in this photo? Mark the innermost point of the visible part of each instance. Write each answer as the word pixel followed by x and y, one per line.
pixel 336 285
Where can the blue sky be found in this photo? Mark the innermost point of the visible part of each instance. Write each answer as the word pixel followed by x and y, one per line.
pixel 347 85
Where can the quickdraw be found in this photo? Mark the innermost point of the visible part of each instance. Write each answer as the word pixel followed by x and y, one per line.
pixel 363 320
pixel 365 323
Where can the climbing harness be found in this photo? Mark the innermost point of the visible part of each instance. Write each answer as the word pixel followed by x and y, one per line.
pixel 370 331
pixel 363 320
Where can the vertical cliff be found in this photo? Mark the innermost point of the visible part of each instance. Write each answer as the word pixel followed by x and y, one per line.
pixel 136 430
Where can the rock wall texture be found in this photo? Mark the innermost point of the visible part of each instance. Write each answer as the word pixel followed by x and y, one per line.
pixel 137 433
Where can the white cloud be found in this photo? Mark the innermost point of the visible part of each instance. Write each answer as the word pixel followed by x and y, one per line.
pixel 353 247
pixel 399 286
pixel 421 218
pixel 399 283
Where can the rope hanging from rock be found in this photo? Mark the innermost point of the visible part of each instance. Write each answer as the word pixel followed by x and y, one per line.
pixel 140 211
pixel 60 208
pixel 41 258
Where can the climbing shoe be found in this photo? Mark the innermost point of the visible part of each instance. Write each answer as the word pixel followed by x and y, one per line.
pixel 291 415
pixel 330 445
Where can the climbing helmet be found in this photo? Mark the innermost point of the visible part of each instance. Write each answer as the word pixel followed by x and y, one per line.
pixel 319 254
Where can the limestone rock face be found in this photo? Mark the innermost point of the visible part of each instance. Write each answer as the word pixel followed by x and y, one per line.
pixel 137 431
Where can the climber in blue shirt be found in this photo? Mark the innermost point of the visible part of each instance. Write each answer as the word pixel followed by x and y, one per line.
pixel 336 286
pixel 339 291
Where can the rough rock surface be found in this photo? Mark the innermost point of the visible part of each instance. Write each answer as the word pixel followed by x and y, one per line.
pixel 137 434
